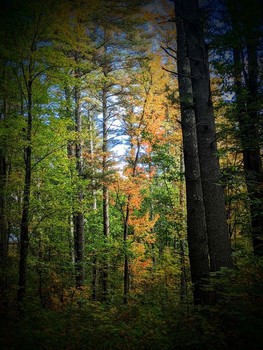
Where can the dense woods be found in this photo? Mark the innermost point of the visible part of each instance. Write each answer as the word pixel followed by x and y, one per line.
pixel 131 180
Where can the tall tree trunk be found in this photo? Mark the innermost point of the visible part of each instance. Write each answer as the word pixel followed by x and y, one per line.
pixel 106 220
pixel 105 189
pixel 95 273
pixel 196 222
pixel 253 165
pixel 71 155
pixel 126 282
pixel 213 194
pixel 78 217
pixel 24 228
pixel 247 116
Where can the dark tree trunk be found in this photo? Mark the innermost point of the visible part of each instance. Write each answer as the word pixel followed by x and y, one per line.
pixel 253 167
pixel 213 194
pixel 105 190
pixel 247 116
pixel 71 155
pixel 78 217
pixel 126 217
pixel 196 223
pixel 95 272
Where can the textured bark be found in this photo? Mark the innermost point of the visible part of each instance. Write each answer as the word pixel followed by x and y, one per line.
pixel 196 223
pixel 213 194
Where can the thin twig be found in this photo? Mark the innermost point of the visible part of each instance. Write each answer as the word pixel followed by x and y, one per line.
pixel 168 53
pixel 179 74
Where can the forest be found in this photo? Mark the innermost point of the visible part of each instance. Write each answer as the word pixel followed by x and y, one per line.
pixel 131 176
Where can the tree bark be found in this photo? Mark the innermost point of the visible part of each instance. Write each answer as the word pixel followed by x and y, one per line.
pixel 196 222
pixel 213 194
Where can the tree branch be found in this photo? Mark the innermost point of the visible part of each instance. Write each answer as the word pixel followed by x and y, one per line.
pixel 46 155
pixel 179 74
pixel 166 50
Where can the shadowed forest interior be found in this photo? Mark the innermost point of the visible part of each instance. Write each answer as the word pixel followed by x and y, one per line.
pixel 131 179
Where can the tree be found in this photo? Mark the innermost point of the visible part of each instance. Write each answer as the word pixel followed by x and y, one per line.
pixel 246 36
pixel 27 56
pixel 144 115
pixel 79 59
pixel 237 44
pixel 196 218
pixel 112 37
pixel 218 240
pixel 26 67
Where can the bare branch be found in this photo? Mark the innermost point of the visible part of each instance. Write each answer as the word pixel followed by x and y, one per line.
pixel 177 74
pixel 168 53
pixel 171 49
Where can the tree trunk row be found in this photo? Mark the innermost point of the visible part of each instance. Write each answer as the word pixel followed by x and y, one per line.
pixel 209 244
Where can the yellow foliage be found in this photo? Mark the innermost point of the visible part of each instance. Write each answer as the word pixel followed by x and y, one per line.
pixel 138 249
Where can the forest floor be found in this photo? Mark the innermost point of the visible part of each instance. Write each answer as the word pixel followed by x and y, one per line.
pixel 156 320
